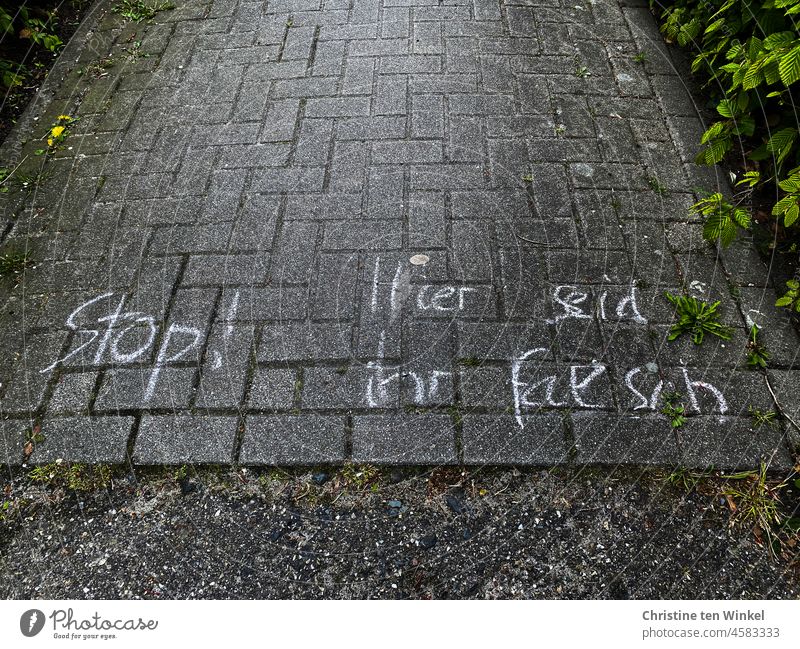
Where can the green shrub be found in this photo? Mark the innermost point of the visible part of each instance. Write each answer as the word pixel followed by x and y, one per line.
pixel 748 53
pixel 17 21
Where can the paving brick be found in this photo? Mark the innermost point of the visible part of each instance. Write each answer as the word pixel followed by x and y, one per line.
pixel 72 394
pixel 732 443
pixel 410 151
pixel 358 76
pixel 349 387
pixel 292 179
pixel 25 387
pixel 280 120
pixel 362 235
pixel 338 107
pixel 294 342
pixel 287 440
pixel 185 439
pixel 427 120
pixel 334 295
pixel 614 440
pixel 293 256
pixel 371 128
pixel 256 223
pixel 179 239
pixel 273 389
pixel 168 388
pixel 213 270
pixel 13 437
pixel 223 375
pixel 391 94
pixel 101 440
pixel 499 439
pixel 263 303
pixel 404 439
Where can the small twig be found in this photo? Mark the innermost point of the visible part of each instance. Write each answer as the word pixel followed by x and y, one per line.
pixel 536 243
pixel 778 405
pixel 11 173
pixel 305 493
pixel 497 493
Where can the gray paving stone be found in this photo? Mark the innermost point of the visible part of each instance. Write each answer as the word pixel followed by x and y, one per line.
pixel 362 235
pixel 273 389
pixel 26 384
pixel 404 439
pixel 168 388
pixel 499 439
pixel 615 440
pixel 334 298
pixel 72 394
pixel 297 342
pixel 349 387
pixel 732 443
pixel 784 384
pixel 185 439
pixel 101 440
pixel 13 436
pixel 223 375
pixel 299 440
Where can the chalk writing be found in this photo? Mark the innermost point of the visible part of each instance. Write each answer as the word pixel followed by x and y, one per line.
pixel 644 403
pixel 574 304
pixel 540 389
pixel 426 384
pixel 112 330
pixel 444 299
pixel 536 383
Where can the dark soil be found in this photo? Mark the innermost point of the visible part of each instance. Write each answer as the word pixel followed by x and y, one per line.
pixel 36 60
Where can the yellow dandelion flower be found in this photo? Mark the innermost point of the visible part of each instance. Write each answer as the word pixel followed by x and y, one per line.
pixel 64 118
pixel 49 141
pixel 56 131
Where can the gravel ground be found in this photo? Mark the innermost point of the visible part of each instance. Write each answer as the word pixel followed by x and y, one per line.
pixel 395 534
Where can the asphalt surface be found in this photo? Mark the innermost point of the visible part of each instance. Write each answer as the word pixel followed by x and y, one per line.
pixel 439 534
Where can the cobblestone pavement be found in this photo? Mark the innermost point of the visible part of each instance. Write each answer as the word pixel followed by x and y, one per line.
pixel 386 231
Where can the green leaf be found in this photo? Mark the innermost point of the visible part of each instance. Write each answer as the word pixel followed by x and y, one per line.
pixel 736 51
pixel 781 143
pixel 771 74
pixel 791 215
pixel 779 39
pixel 741 217
pixel 751 178
pixel 783 301
pixel 791 184
pixel 753 77
pixel 713 132
pixel 714 26
pixel 754 48
pixel 789 67
pixel 784 204
pixel 716 151
pixel 743 100
pixel 726 108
